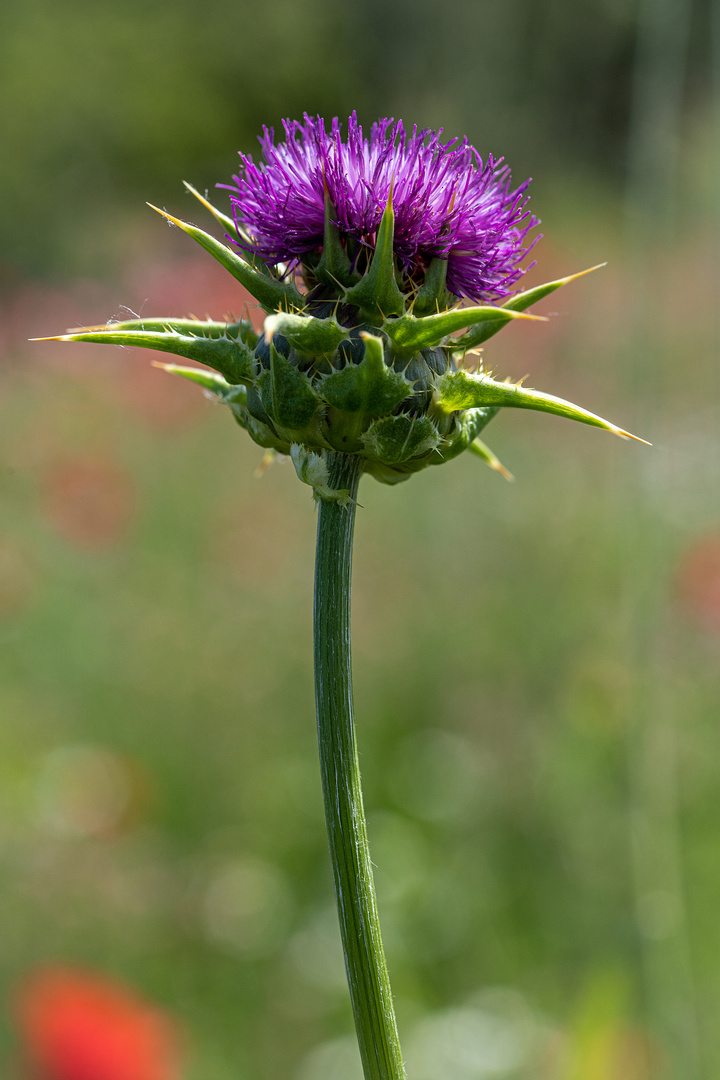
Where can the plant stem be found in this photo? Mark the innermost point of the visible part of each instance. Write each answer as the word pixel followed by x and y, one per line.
pixel 352 870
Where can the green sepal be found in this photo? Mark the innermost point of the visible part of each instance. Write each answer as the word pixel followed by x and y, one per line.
pixel 287 395
pixel 467 426
pixel 520 302
pixel 230 357
pixel 270 293
pixel 387 474
pixel 312 469
pixel 408 334
pixel 464 391
pixel 263 435
pixel 370 387
pixel 334 267
pixel 305 333
pixel 432 295
pixel 241 329
pixel 377 292
pixel 394 439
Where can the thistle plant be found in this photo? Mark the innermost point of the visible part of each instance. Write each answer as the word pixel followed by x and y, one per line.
pixel 382 265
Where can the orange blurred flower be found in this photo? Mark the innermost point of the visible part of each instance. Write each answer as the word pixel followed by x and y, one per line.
pixel 698 581
pixel 76 1025
pixel 90 500
pixel 163 404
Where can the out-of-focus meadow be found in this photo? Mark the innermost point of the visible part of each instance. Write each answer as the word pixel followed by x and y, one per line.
pixel 536 664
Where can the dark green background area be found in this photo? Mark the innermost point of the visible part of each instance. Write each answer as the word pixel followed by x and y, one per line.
pixel 536 664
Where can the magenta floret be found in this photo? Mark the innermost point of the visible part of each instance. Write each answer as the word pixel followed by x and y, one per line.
pixel 447 201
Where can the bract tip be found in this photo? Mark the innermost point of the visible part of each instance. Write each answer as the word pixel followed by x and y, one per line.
pixel 168 217
pixel 629 435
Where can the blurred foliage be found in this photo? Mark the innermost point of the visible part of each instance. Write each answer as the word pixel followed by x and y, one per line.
pixel 536 664
pixel 116 103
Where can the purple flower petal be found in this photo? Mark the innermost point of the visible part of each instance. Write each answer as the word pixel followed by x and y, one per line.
pixel 447 201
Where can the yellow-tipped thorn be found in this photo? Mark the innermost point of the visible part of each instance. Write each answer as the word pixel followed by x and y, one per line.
pixel 477 446
pixel 163 213
pixel 582 273
pixel 628 435
pixel 55 337
pixel 222 219
pixel 201 198
pixel 535 318
pixel 500 468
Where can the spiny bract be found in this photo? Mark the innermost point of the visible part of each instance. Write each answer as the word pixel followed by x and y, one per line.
pixel 359 253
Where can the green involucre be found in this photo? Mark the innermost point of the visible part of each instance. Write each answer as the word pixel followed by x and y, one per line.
pixel 354 365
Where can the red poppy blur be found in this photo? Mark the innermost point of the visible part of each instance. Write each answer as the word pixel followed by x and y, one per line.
pixel 699 582
pixel 76 1025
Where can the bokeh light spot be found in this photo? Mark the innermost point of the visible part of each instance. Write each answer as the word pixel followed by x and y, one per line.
pixel 245 907
pixel 89 791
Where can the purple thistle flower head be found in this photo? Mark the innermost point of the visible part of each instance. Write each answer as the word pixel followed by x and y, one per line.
pixel 448 203
pixel 370 360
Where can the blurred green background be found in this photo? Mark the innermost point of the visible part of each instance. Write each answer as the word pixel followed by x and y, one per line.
pixel 536 664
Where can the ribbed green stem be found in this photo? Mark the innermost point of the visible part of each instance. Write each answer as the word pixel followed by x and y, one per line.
pixel 352 871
